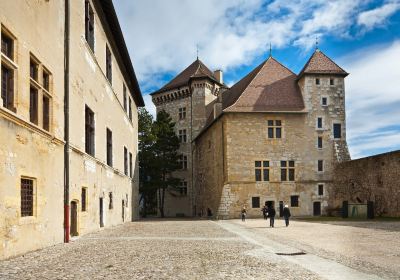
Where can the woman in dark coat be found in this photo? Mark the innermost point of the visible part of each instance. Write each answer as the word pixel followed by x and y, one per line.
pixel 286 214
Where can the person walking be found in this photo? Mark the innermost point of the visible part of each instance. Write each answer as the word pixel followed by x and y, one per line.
pixel 286 214
pixel 244 214
pixel 271 215
pixel 265 212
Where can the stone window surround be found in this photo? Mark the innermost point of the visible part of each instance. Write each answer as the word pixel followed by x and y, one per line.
pixel 323 166
pixel 256 199
pixel 262 168
pixel 322 142
pixel 298 200
pixel 34 197
pixel 318 190
pixel 322 123
pixel 275 128
pixel 287 169
pixel 341 130
pixel 327 101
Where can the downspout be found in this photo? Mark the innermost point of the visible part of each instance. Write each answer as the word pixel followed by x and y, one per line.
pixel 66 120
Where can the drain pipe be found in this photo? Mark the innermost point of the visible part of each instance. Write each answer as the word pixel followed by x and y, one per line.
pixel 66 120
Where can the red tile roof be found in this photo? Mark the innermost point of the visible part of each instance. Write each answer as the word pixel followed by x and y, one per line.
pixel 319 63
pixel 271 87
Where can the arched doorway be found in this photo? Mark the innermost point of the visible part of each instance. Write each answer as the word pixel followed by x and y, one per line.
pixel 73 230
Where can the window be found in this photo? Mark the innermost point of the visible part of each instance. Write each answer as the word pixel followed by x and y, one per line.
pixel 34 69
pixel 274 129
pixel 261 170
pixel 255 202
pixel 287 170
pixel 337 130
pixel 46 113
pixel 319 142
pixel 324 101
pixel 319 123
pixel 130 165
pixel 109 147
pixel 108 65
pixel 320 165
pixel 89 25
pixel 182 135
pixel 182 113
pixel 46 80
pixel 183 188
pixel 84 199
pixel 89 131
pixel 7 46
pixel 130 109
pixel 183 162
pixel 320 189
pixel 125 161
pixel 294 201
pixel 125 102
pixel 27 198
pixel 110 204
pixel 33 105
pixel 331 82
pixel 317 81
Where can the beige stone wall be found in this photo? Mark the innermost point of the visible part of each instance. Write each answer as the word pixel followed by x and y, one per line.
pixel 26 150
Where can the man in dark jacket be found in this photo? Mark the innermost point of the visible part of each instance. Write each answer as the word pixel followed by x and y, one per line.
pixel 271 215
pixel 286 214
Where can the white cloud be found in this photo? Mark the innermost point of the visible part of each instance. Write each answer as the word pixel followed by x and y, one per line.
pixel 376 17
pixel 150 107
pixel 373 99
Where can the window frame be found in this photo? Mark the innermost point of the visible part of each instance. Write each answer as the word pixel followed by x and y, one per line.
pixel 320 142
pixel 320 189
pixel 126 161
pixel 273 126
pixel 182 113
pixel 182 135
pixel 320 165
pixel 262 169
pixel 89 25
pixel 90 131
pixel 109 147
pixel 322 101
pixel 288 170
pixel 255 202
pixel 295 201
pixel 84 199
pixel 334 131
pixel 33 196
pixel 108 64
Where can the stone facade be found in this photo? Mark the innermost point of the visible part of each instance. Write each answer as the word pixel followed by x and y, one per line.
pixel 373 179
pixel 32 152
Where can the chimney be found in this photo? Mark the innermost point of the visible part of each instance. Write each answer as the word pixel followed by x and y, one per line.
pixel 219 75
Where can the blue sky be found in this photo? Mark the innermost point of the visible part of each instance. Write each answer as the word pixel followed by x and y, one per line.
pixel 362 36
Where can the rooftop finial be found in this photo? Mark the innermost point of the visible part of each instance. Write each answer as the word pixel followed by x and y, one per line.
pixel 270 50
pixel 316 42
pixel 197 50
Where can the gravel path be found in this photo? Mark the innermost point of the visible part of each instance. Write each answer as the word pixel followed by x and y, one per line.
pixel 183 249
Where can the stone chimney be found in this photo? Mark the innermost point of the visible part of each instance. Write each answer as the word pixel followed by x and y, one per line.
pixel 219 75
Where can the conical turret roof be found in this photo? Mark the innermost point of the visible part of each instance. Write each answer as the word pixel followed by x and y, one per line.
pixel 319 63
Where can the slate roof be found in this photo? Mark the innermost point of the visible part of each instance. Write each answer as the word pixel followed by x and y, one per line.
pixel 270 87
pixel 319 63
pixel 196 70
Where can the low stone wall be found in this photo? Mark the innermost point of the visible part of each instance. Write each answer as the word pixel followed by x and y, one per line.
pixel 375 178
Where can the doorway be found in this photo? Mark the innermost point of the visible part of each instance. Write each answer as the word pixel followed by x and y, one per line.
pixel 317 208
pixel 73 230
pixel 101 212
pixel 270 204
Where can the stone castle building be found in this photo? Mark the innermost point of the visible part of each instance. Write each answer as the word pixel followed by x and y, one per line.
pixel 68 123
pixel 273 138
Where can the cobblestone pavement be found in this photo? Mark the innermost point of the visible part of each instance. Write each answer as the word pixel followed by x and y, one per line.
pixel 201 249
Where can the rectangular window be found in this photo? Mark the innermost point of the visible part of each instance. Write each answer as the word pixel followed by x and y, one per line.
pixel 182 113
pixel 110 201
pixel 331 82
pixel 317 81
pixel 34 69
pixel 337 130
pixel 320 165
pixel 7 46
pixel 46 80
pixel 183 188
pixel 255 202
pixel 108 65
pixel 183 162
pixel 324 101
pixel 109 147
pixel 274 129
pixel 130 109
pixel 182 135
pixel 84 199
pixel 130 165
pixel 261 170
pixel 46 113
pixel 319 142
pixel 27 198
pixel 125 102
pixel 319 123
pixel 89 25
pixel 125 161
pixel 7 87
pixel 320 189
pixel 294 201
pixel 287 170
pixel 89 131
pixel 33 105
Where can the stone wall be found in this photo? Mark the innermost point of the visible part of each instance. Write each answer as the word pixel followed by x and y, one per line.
pixel 374 178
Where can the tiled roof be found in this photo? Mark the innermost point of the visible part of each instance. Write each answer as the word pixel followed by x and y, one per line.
pixel 195 70
pixel 319 63
pixel 270 87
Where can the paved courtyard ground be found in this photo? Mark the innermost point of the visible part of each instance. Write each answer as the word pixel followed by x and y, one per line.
pixel 202 249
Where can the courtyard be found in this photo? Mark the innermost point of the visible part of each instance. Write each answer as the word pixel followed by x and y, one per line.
pixel 230 249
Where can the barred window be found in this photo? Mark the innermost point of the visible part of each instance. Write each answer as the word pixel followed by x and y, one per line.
pixel 274 129
pixel 261 170
pixel 287 170
pixel 26 197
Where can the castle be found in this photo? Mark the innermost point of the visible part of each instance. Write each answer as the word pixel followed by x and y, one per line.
pixel 271 139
